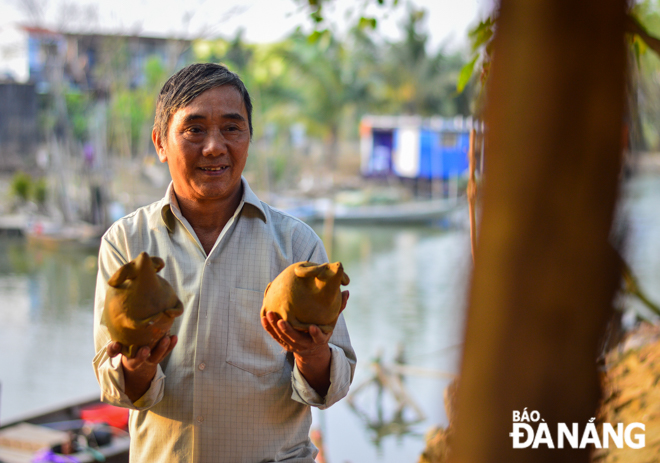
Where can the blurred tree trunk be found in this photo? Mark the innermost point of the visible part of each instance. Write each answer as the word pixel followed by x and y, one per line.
pixel 545 273
pixel 332 147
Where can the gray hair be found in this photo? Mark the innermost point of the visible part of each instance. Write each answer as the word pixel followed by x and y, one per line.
pixel 188 84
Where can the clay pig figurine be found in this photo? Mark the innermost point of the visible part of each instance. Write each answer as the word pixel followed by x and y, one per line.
pixel 140 306
pixel 307 294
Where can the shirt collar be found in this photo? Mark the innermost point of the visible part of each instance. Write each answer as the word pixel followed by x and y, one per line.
pixel 169 202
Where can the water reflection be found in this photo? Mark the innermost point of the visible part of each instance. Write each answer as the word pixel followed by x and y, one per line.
pixel 390 408
pixel 407 288
pixel 45 324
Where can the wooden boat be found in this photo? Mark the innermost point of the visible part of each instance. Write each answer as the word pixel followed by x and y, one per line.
pixel 399 213
pixel 410 212
pixel 20 438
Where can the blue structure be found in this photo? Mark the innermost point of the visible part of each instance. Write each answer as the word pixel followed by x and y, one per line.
pixel 412 147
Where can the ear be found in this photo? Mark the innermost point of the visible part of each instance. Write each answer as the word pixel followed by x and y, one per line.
pixel 158 263
pixel 159 144
pixel 308 270
pixel 125 272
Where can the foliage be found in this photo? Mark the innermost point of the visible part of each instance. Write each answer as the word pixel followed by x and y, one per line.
pixel 40 191
pixel 77 105
pixel 329 78
pixel 132 108
pixel 361 19
pixel 645 98
pixel 416 82
pixel 20 185
pixel 132 96
pixel 643 26
pixel 24 187
pixel 481 43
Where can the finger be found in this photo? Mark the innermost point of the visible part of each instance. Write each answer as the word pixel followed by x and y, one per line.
pixel 139 359
pixel 274 332
pixel 318 336
pixel 273 321
pixel 159 350
pixel 273 317
pixel 269 326
pixel 289 334
pixel 143 353
pixel 173 341
pixel 113 349
pixel 284 331
pixel 266 325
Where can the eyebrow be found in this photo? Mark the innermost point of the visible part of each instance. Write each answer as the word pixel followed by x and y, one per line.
pixel 235 116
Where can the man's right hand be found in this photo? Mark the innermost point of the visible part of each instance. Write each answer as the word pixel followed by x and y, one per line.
pixel 139 371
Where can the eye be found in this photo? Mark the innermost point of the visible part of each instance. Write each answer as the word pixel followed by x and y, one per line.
pixel 193 131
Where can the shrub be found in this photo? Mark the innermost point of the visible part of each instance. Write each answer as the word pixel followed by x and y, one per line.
pixel 21 185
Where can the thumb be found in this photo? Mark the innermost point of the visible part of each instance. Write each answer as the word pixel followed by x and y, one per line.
pixel 317 334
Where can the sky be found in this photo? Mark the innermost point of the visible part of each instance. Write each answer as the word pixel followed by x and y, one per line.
pixel 263 21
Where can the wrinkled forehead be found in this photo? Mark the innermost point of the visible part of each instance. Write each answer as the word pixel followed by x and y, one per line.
pixel 226 98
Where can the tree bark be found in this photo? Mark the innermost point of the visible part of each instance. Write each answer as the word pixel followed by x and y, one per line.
pixel 545 273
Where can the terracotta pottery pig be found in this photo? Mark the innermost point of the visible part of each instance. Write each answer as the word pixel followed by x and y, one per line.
pixel 140 306
pixel 307 294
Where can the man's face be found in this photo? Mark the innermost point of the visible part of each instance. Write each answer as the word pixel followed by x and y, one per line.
pixel 207 145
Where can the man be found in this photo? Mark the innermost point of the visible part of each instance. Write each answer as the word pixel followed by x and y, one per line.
pixel 227 385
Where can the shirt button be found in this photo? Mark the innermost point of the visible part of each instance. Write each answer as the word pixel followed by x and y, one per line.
pixel 200 418
pixel 202 366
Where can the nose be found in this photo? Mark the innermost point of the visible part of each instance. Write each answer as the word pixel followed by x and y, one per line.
pixel 215 144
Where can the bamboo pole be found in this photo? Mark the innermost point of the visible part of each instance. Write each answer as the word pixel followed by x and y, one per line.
pixel 472 193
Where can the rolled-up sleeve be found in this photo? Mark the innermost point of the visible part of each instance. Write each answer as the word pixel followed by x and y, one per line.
pixel 110 375
pixel 341 374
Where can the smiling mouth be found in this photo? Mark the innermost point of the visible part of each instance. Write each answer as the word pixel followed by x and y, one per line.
pixel 214 169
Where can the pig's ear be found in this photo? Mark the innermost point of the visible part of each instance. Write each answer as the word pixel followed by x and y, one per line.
pixel 158 263
pixel 125 272
pixel 345 280
pixel 308 270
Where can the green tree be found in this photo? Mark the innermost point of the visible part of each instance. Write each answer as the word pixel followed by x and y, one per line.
pixel 20 186
pixel 417 82
pixel 77 105
pixel 645 84
pixel 330 83
pixel 130 106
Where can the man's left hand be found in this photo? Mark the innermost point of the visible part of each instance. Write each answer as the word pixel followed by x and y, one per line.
pixel 310 350
pixel 300 343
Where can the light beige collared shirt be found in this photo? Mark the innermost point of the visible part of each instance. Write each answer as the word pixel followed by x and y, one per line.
pixel 227 392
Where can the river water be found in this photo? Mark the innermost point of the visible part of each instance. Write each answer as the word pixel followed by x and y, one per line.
pixel 407 292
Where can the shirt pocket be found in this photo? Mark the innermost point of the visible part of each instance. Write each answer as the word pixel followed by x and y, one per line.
pixel 250 347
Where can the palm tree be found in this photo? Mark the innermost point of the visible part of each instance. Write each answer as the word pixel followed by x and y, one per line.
pixel 330 82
